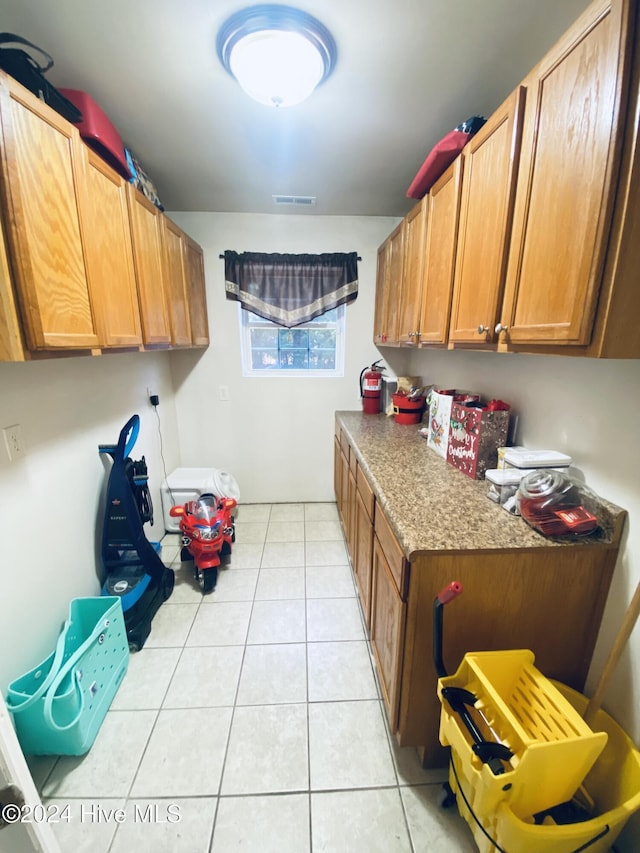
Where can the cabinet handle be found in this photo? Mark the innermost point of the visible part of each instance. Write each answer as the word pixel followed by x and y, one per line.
pixel 483 330
pixel 500 328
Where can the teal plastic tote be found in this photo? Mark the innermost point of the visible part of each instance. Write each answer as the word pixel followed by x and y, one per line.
pixel 59 705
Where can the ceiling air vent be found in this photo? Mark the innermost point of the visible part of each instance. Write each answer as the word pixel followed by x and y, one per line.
pixel 299 200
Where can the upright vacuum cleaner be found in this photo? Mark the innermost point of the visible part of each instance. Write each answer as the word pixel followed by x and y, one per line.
pixel 133 568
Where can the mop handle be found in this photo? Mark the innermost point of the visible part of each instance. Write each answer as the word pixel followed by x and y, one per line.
pixel 445 595
pixel 451 591
pixel 628 624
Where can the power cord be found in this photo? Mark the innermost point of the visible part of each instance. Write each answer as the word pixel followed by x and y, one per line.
pixel 164 464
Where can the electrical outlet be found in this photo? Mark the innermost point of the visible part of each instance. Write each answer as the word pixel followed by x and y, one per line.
pixel 13 442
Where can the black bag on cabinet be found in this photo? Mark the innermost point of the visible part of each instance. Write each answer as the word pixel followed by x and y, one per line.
pixel 28 71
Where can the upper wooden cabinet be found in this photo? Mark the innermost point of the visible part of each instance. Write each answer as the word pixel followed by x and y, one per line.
pixel 177 290
pixel 196 285
pixel 388 284
pixel 567 180
pixel 108 252
pixel 148 232
pixel 87 264
pixel 439 253
pixel 545 250
pixel 410 286
pixel 382 294
pixel 489 163
pixel 41 165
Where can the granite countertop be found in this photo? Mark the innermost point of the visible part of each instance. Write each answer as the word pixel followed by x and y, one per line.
pixel 432 506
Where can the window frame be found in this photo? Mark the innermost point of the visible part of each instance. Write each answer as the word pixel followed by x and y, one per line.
pixel 280 372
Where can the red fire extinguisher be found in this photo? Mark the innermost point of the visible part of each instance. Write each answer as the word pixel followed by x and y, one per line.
pixel 371 388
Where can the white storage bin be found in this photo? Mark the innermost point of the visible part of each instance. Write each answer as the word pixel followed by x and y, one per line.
pixel 521 457
pixel 186 484
pixel 502 486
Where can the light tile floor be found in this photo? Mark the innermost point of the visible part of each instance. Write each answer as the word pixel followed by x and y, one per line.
pixel 252 718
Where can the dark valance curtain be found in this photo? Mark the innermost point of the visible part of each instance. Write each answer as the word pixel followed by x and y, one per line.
pixel 290 289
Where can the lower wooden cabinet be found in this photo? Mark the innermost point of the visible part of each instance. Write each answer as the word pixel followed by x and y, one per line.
pixel 388 616
pixel 362 559
pixel 337 473
pixel 547 598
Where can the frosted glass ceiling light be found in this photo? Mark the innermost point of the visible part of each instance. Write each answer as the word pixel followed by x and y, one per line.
pixel 277 54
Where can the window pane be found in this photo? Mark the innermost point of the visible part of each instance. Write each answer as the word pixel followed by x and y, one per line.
pixel 264 359
pixel 294 359
pixel 264 338
pixel 322 338
pixel 293 338
pixel 322 360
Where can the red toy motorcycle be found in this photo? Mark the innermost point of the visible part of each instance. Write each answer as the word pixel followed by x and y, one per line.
pixel 208 531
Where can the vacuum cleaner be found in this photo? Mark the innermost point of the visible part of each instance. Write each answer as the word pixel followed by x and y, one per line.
pixel 132 566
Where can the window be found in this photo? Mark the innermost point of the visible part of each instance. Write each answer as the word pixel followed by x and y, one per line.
pixel 315 348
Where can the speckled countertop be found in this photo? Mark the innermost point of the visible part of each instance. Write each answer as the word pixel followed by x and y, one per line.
pixel 432 506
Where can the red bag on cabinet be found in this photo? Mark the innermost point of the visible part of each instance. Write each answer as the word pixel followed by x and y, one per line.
pixel 442 155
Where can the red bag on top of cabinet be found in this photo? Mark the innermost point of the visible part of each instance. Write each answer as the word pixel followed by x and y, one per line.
pixel 442 155
pixel 98 132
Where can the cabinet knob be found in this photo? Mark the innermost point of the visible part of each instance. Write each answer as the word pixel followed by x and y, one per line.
pixel 483 330
pixel 500 328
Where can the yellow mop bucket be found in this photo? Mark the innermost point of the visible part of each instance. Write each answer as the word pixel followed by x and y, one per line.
pixel 611 790
pixel 528 773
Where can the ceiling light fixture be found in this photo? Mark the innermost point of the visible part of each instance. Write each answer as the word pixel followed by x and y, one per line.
pixel 277 54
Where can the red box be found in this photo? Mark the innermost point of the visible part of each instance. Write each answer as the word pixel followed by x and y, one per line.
pixel 475 434
pixel 98 132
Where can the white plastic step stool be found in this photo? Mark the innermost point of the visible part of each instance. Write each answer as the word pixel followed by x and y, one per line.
pixel 186 484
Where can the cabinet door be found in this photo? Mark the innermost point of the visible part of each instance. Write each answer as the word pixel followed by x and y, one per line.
pixel 337 472
pixel 11 347
pixel 395 265
pixel 490 161
pixel 344 494
pixel 41 168
pixel 341 473
pixel 146 226
pixel 440 251
pixel 362 564
pixel 566 182
pixel 388 616
pixel 408 324
pixel 194 263
pixel 382 295
pixel 351 515
pixel 109 253
pixel 176 284
pixel 388 282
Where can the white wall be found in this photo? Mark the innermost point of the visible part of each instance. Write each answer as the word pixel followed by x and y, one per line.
pixel 274 433
pixel 51 500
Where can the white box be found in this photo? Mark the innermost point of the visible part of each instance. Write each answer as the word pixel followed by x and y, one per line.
pixel 186 484
pixel 521 457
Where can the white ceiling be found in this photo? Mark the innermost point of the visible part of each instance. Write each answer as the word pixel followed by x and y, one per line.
pixel 408 71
